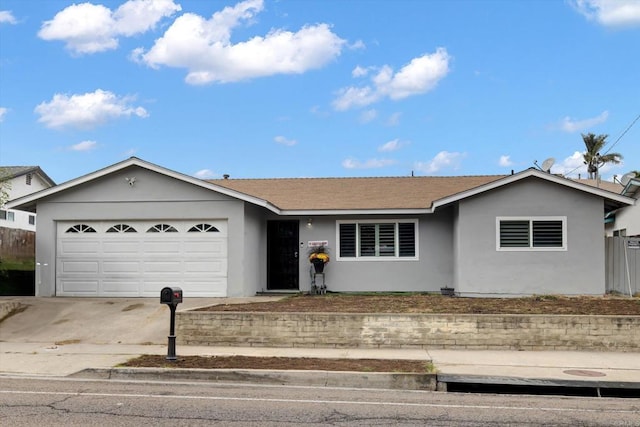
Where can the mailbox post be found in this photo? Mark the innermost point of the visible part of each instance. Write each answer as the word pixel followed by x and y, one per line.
pixel 172 297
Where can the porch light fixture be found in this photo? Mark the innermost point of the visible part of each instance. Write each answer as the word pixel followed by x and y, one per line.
pixel 310 223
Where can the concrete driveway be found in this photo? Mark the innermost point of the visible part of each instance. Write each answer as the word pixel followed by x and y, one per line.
pixel 96 320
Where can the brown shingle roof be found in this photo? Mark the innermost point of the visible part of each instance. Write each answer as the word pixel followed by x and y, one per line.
pixel 614 187
pixel 354 193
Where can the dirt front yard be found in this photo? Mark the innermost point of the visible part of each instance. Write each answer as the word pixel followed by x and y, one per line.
pixel 282 363
pixel 438 304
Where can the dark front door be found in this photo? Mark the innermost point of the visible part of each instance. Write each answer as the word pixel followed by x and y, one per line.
pixel 282 255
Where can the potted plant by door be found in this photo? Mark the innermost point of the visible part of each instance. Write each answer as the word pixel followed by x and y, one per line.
pixel 319 256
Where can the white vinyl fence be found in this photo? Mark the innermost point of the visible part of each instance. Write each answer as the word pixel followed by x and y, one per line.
pixel 623 265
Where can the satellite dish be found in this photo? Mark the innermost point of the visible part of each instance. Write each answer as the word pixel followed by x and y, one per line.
pixel 546 165
pixel 626 178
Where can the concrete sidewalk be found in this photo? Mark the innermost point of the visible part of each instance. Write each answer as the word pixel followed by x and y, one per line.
pixel 586 369
pixel 63 336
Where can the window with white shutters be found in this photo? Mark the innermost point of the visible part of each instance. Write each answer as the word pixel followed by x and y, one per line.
pixel 366 240
pixel 535 233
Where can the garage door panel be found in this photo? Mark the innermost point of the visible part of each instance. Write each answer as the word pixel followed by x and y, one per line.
pixel 129 264
pixel 161 267
pixel 120 267
pixel 79 267
pixel 120 247
pixel 73 247
pixel 212 267
pixel 80 287
pixel 121 287
pixel 161 246
pixel 215 247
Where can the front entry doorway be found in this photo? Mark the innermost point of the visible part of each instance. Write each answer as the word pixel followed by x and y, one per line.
pixel 282 255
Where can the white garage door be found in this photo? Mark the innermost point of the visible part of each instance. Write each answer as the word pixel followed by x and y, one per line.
pixel 139 258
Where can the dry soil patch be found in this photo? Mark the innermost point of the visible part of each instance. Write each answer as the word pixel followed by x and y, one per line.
pixel 281 363
pixel 437 304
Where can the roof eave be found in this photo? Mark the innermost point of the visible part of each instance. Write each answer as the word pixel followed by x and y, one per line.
pixel 31 199
pixel 613 199
pixel 631 188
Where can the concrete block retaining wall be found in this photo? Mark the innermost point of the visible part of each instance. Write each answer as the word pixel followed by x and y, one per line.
pixel 478 332
pixel 7 307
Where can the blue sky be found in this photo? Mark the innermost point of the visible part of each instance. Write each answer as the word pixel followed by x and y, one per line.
pixel 311 88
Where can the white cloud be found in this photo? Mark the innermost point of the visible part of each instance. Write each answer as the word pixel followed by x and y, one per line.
pixel 357 45
pixel 571 125
pixel 442 160
pixel 205 49
pixel 393 145
pixel 3 112
pixel 87 110
pixel 573 166
pixel 505 161
pixel 394 119
pixel 368 116
pixel 84 146
pixel 368 164
pixel 610 13
pixel 355 97
pixel 421 75
pixel 204 174
pixel 89 28
pixel 359 72
pixel 285 141
pixel 6 17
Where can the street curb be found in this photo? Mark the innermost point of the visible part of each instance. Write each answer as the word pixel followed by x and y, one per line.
pixel 374 380
pixel 444 379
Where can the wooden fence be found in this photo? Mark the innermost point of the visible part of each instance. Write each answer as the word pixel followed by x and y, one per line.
pixel 17 245
pixel 623 265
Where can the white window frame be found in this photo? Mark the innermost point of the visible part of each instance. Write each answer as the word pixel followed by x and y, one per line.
pixel 9 216
pixel 531 219
pixel 379 258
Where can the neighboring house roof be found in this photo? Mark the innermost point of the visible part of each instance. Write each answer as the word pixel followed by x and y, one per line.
pixel 10 172
pixel 632 187
pixel 302 196
pixel 614 187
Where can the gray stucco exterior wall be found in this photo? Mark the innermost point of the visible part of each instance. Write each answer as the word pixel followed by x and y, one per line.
pixel 253 260
pixel 482 270
pixel 432 270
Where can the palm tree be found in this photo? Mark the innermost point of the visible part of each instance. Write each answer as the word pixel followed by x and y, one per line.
pixel 592 157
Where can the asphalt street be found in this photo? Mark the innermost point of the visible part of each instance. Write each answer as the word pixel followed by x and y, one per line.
pixel 30 401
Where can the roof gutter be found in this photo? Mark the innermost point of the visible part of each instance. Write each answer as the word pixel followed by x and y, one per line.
pixel 335 212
